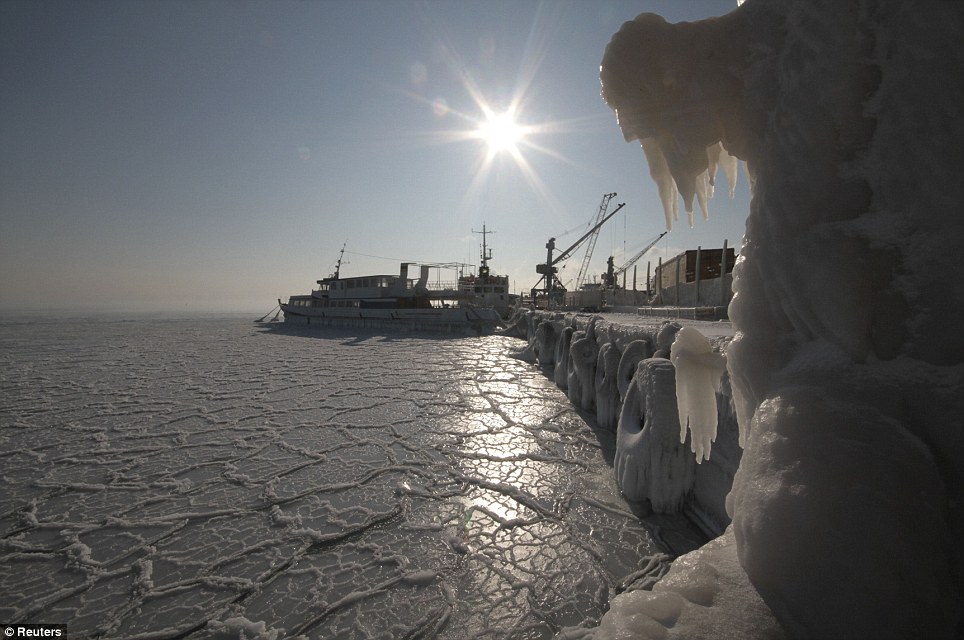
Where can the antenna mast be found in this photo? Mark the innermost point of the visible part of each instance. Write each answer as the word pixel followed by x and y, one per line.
pixel 486 253
pixel 341 254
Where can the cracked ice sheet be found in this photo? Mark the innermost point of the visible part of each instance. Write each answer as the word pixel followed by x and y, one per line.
pixel 165 478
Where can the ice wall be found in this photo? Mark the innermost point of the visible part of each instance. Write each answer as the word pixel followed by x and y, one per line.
pixel 848 507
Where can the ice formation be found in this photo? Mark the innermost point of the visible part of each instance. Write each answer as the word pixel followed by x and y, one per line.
pixel 679 144
pixel 561 371
pixel 581 374
pixel 701 588
pixel 634 352
pixel 542 341
pixel 651 462
pixel 848 506
pixel 636 397
pixel 698 373
pixel 607 389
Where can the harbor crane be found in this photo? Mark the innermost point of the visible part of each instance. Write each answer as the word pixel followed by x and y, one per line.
pixel 591 240
pixel 612 273
pixel 552 287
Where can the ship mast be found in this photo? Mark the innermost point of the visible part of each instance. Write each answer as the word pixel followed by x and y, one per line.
pixel 341 254
pixel 486 253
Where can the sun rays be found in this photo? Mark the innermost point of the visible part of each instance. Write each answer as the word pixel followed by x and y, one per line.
pixel 502 131
pixel 503 134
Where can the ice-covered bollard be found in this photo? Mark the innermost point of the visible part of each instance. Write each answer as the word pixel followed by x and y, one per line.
pixel 665 337
pixel 634 352
pixel 607 389
pixel 561 373
pixel 582 370
pixel 651 463
pixel 698 373
pixel 520 325
pixel 543 344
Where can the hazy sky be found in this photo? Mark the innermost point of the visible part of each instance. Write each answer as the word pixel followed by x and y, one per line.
pixel 202 155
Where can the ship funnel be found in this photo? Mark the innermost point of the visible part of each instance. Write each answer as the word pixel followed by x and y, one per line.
pixel 422 285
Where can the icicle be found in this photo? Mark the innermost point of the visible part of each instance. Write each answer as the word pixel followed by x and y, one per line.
pixel 729 164
pixel 659 172
pixel 698 373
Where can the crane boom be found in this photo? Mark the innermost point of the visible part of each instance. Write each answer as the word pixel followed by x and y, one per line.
pixel 639 255
pixel 575 245
pixel 591 245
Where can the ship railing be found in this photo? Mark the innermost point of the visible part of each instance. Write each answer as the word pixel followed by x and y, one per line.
pixel 452 285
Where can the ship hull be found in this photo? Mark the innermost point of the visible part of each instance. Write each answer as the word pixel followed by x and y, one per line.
pixel 472 321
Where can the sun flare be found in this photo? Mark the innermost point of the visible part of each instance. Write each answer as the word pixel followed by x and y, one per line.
pixel 505 131
pixel 501 132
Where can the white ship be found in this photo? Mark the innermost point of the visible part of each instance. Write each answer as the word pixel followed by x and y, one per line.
pixel 400 302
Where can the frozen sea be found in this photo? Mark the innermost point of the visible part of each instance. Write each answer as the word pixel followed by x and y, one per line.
pixel 212 477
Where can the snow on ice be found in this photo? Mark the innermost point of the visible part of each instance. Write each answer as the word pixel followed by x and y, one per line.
pixel 848 506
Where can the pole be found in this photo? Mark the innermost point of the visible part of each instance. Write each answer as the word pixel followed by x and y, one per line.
pixel 659 280
pixel 698 254
pixel 723 301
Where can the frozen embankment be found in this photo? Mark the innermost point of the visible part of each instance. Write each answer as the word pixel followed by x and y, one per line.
pixel 629 376
pixel 664 389
pixel 847 367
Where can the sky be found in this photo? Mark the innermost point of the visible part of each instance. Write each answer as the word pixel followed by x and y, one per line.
pixel 176 155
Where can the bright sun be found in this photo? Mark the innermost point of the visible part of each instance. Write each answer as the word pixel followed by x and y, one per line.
pixel 501 132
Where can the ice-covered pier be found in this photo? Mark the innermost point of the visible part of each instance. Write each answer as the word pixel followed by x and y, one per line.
pixel 618 367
